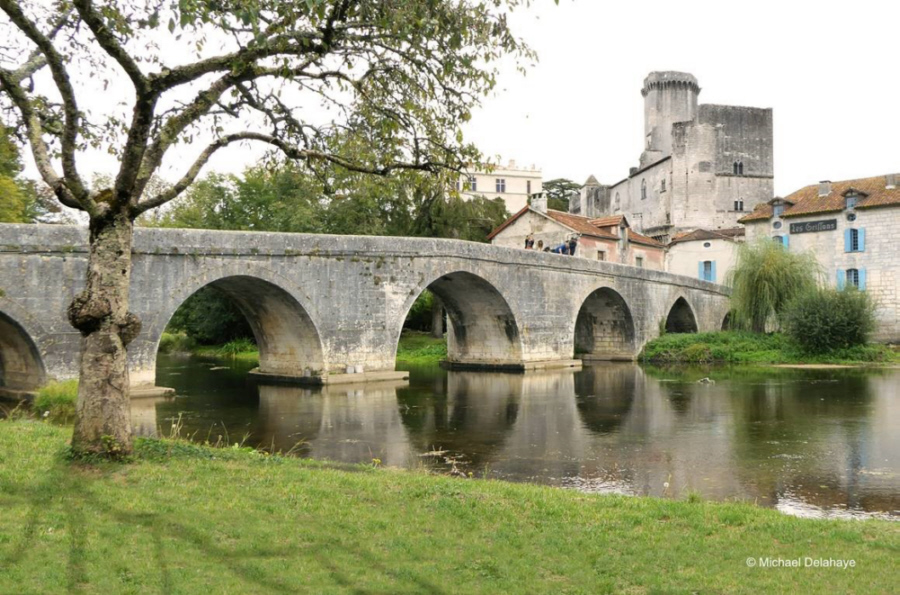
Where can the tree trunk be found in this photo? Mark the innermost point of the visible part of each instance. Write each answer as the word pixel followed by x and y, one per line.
pixel 100 313
pixel 437 317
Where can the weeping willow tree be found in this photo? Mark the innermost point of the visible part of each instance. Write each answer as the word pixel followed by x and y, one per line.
pixel 765 278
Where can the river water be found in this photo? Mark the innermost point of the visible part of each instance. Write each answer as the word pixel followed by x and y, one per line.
pixel 823 443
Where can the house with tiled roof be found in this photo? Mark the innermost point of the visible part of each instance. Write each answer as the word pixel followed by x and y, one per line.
pixel 852 227
pixel 707 254
pixel 599 238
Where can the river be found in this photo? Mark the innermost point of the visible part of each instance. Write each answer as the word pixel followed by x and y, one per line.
pixel 819 443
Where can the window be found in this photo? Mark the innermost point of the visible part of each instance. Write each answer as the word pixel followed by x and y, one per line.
pixel 739 204
pixel 738 168
pixel 778 210
pixel 459 185
pixel 851 200
pixel 616 204
pixel 662 187
pixel 852 278
pixel 500 185
pixel 643 189
pixel 527 186
pixel 639 262
pixel 854 240
pixel 707 270
pixel 783 240
pixel 777 225
pixel 707 245
pixel 473 184
pixel 601 255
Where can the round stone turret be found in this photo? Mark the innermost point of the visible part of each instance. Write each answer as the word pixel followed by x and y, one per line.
pixel 669 97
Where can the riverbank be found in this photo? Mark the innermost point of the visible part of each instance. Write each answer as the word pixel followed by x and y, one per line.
pixel 735 347
pixel 414 347
pixel 186 518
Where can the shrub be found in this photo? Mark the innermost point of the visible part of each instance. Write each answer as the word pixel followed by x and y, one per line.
pixel 237 346
pixel 823 319
pixel 176 343
pixel 765 278
pixel 57 400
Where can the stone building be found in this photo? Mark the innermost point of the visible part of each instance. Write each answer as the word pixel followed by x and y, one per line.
pixel 511 183
pixel 607 238
pixel 852 227
pixel 705 254
pixel 702 165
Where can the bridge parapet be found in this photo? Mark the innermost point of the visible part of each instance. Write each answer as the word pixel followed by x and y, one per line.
pixel 323 305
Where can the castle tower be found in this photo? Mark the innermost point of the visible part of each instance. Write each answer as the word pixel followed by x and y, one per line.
pixel 669 97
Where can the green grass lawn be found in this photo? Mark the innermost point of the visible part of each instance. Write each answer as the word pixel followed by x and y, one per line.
pixel 753 348
pixel 183 518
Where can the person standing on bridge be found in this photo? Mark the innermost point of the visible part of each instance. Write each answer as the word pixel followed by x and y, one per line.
pixel 540 245
pixel 529 242
pixel 573 242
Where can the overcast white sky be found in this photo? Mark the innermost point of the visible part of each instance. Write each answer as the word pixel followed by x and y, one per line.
pixel 828 69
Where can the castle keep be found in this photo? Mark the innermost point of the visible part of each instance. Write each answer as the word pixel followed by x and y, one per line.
pixel 703 166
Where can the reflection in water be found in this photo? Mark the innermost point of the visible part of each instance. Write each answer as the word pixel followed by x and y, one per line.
pixel 809 442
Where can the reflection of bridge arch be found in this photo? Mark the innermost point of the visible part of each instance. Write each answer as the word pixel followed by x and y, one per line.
pixel 604 327
pixel 482 326
pixel 288 340
pixel 681 318
pixel 604 396
pixel 21 366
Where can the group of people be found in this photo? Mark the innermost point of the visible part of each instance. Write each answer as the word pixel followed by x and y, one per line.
pixel 567 247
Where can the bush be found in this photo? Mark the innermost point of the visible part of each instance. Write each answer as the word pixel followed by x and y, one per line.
pixel 237 346
pixel 823 320
pixel 57 400
pixel 176 343
pixel 765 278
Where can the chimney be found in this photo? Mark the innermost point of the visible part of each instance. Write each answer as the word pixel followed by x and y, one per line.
pixel 539 202
pixel 824 187
pixel 890 181
pixel 632 171
pixel 512 164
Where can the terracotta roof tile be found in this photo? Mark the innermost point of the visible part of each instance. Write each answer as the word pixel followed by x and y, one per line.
pixel 708 234
pixel 609 221
pixel 637 238
pixel 807 200
pixel 579 224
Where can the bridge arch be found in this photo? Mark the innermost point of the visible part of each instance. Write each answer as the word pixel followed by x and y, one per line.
pixel 482 329
pixel 288 340
pixel 21 365
pixel 604 327
pixel 681 318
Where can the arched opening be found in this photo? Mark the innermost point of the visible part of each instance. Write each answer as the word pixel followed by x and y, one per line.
pixel 726 322
pixel 288 342
pixel 21 368
pixel 604 328
pixel 681 318
pixel 481 327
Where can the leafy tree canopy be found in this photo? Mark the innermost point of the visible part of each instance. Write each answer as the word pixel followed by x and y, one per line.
pixel 558 191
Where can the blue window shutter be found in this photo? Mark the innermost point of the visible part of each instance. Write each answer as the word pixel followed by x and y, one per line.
pixel 841 279
pixel 862 279
pixel 700 271
pixel 847 246
pixel 862 240
pixel 786 241
pixel 713 271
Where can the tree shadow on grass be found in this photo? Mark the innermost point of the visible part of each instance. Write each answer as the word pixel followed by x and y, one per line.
pixel 70 487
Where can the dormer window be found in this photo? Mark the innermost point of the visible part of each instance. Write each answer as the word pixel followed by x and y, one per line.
pixel 778 210
pixel 850 200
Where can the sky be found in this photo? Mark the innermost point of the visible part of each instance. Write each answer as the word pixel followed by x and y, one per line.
pixel 827 69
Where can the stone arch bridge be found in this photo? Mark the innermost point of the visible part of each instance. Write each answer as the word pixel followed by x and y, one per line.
pixel 330 308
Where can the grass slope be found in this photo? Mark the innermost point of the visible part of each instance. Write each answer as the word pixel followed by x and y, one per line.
pixel 188 519
pixel 753 348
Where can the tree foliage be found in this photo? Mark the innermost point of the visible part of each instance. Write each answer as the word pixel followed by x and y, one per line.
pixel 826 319
pixel 19 199
pixel 394 79
pixel 558 192
pixel 765 278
